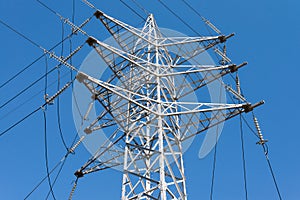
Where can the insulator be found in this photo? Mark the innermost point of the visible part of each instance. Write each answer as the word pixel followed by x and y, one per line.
pixel 96 128
pixel 88 111
pixel 84 23
pixel 52 55
pixel 213 27
pixel 223 61
pixel 74 27
pixel 89 4
pixel 257 127
pixel 73 52
pixel 72 191
pixel 236 94
pixel 74 30
pixel 77 144
pixel 224 57
pixel 238 85
pixel 261 138
pixel 224 50
pixel 49 100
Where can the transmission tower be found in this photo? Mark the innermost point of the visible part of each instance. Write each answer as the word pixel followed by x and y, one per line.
pixel 147 105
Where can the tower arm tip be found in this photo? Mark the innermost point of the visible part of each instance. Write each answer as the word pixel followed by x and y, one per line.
pixel 98 14
pixel 249 107
pixel 223 38
pixel 81 77
pixel 91 41
pixel 234 68
pixel 79 174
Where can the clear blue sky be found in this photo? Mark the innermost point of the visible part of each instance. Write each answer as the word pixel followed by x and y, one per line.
pixel 267 36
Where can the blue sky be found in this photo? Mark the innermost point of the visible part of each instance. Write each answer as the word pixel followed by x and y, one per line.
pixel 267 36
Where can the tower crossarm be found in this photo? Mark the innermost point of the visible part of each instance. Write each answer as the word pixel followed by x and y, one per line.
pixel 188 51
pixel 207 120
pixel 106 156
pixel 106 51
pixel 127 37
pixel 121 92
pixel 123 33
pixel 191 108
pixel 119 29
pixel 173 41
pixel 195 81
pixel 189 69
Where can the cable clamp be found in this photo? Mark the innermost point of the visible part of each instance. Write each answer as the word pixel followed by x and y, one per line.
pixel 46 98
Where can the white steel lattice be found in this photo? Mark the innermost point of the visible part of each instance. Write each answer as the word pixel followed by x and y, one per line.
pixel 144 105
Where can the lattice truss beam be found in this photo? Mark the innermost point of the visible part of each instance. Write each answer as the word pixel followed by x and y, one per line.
pixel 145 106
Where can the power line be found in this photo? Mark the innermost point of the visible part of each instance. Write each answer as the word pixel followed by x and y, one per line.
pixel 46 153
pixel 133 10
pixel 36 60
pixel 46 77
pixel 67 21
pixel 209 26
pixel 178 17
pixel 262 142
pixel 215 154
pixel 44 178
pixel 70 40
pixel 32 97
pixel 45 134
pixel 22 70
pixel 265 149
pixel 42 48
pixel 20 34
pixel 43 107
pixel 60 163
pixel 50 9
pixel 141 7
pixel 71 60
pixel 37 109
pixel 243 158
pixel 27 88
pixel 185 23
pixel 193 9
pixel 266 152
pixel 73 11
pixel 250 128
pixel 56 177
pixel 89 4
pixel 32 84
pixel 58 86
pixel 18 122
pixel 213 171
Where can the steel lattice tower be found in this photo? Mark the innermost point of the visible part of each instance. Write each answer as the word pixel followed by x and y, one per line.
pixel 145 105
